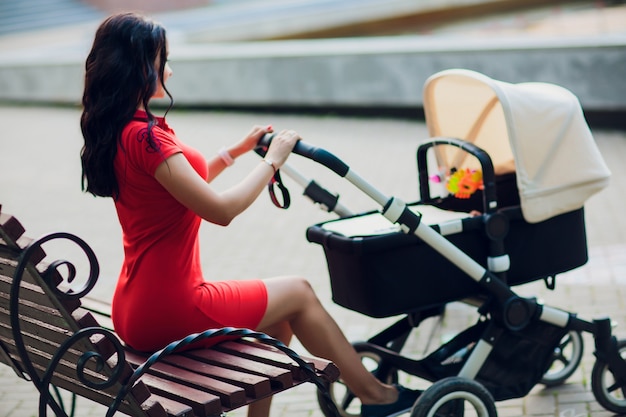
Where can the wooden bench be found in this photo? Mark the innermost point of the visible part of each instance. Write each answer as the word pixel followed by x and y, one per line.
pixel 55 336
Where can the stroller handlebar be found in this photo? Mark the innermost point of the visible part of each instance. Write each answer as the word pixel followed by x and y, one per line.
pixel 398 212
pixel 319 155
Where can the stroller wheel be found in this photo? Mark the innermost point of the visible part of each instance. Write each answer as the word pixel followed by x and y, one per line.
pixel 606 389
pixel 455 397
pixel 566 358
pixel 346 402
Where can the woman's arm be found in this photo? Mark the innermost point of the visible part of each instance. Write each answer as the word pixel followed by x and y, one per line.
pixel 248 143
pixel 180 179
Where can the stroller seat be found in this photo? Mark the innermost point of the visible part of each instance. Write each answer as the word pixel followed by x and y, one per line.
pixel 383 272
pixel 374 223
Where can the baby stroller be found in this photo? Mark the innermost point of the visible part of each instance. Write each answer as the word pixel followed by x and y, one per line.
pixel 522 225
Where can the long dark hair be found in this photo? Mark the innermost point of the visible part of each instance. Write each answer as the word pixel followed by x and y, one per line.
pixel 120 75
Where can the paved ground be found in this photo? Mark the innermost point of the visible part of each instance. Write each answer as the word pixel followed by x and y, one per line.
pixel 40 183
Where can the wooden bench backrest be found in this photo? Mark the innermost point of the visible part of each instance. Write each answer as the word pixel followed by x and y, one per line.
pixel 46 322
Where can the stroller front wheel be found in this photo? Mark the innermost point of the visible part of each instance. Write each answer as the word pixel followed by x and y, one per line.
pixel 566 358
pixel 450 397
pixel 606 389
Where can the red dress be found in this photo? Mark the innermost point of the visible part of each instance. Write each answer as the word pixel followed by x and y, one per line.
pixel 161 295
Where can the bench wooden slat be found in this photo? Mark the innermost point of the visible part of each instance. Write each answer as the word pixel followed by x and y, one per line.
pixel 11 228
pixel 52 331
pixel 231 396
pixel 255 386
pixel 279 378
pixel 172 408
pixel 7 271
pixel 202 403
pixel 264 354
pixel 30 291
pixel 12 236
pixel 258 351
pixel 32 282
pixel 153 408
pixel 37 313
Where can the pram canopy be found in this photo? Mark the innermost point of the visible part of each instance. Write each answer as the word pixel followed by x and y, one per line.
pixel 537 128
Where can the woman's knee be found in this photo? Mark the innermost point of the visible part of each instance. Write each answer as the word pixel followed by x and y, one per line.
pixel 306 294
pixel 287 298
pixel 290 287
pixel 302 286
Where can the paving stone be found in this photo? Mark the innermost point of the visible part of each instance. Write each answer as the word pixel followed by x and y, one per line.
pixel 51 174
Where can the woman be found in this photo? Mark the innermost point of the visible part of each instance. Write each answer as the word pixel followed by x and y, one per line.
pixel 160 188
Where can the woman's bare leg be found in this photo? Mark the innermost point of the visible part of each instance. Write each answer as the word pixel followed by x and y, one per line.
pixel 281 331
pixel 292 300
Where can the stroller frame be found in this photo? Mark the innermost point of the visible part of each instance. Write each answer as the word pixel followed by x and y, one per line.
pixel 504 311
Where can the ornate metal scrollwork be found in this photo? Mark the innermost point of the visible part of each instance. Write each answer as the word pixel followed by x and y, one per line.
pixel 43 384
pixel 94 267
pixel 83 360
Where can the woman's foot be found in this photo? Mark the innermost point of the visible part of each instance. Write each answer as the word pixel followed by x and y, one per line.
pixel 406 399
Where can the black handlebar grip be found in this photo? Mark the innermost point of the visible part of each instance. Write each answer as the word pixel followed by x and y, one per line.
pixel 314 153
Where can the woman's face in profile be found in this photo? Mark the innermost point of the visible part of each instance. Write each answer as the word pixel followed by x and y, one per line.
pixel 167 73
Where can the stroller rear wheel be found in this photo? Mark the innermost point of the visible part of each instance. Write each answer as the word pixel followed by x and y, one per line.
pixel 566 358
pixel 606 389
pixel 455 397
pixel 346 402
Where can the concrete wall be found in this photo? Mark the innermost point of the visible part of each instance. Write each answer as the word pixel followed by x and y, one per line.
pixel 390 71
pixel 363 72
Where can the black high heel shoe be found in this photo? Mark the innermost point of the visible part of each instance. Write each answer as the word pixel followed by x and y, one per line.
pixel 406 399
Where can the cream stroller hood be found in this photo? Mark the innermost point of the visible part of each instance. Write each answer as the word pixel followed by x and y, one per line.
pixel 538 126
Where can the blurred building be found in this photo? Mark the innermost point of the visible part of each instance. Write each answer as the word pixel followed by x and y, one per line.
pixel 145 5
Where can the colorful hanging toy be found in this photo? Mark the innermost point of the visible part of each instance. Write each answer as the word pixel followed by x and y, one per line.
pixel 464 183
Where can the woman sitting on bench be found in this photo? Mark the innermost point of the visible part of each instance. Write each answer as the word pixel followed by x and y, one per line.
pixel 160 187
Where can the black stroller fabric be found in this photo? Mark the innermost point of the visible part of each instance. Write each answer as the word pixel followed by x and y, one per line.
pixel 519 360
pixel 394 273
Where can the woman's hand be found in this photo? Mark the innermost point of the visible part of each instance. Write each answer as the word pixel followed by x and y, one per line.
pixel 281 146
pixel 250 141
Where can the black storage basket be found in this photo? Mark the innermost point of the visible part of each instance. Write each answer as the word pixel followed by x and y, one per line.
pixel 394 273
pixel 517 363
